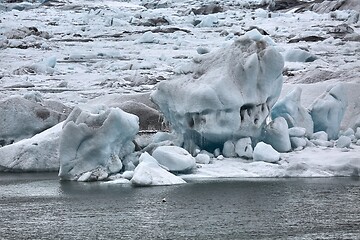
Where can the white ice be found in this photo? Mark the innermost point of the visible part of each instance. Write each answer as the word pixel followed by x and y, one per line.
pixel 149 173
pixel 95 44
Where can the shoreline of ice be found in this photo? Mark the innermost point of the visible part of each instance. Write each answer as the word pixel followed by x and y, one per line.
pixel 75 52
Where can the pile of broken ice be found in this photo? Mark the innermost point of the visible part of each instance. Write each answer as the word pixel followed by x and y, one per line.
pixel 226 106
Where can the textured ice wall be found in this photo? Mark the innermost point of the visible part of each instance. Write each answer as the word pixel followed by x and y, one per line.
pixel 294 113
pixel 96 143
pixel 228 96
pixel 328 110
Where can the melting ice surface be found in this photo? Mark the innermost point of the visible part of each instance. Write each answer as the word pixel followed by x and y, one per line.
pixel 228 96
pixel 203 111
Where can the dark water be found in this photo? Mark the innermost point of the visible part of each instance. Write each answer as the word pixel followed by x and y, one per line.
pixel 39 206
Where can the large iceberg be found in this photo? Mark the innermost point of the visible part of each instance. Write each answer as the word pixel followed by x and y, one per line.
pixel 228 96
pixel 95 143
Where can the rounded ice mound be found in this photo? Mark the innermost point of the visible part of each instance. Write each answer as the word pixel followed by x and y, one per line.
pixel 174 158
pixel 202 158
pixel 149 173
pixel 228 96
pixel 93 141
pixel 343 142
pixel 243 148
pixel 265 152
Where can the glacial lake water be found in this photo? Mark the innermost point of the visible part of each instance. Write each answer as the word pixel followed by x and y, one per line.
pixel 39 206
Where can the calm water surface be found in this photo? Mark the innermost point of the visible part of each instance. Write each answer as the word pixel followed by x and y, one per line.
pixel 39 206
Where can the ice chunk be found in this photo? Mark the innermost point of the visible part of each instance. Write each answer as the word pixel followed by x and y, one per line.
pixel 265 152
pixel 357 134
pixel 91 141
pixel 277 135
pixel 321 135
pixel 117 181
pixel 148 37
pixel 208 21
pixel 298 142
pixel 254 35
pixel 39 153
pixel 243 148
pixel 176 159
pixel 202 50
pixel 299 55
pixel 128 175
pixel 328 110
pixel 349 133
pixel 228 96
pixel 45 66
pixel 202 158
pixel 149 173
pixel 296 115
pixel 229 149
pixel 343 142
pixel 297 132
pixel 21 118
pixel 321 139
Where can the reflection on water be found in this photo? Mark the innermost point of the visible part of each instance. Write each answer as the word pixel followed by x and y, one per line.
pixel 39 206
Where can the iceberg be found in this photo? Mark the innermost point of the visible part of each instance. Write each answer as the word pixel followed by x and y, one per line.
pixel 228 96
pixel 22 118
pixel 37 154
pixel 96 142
pixel 328 110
